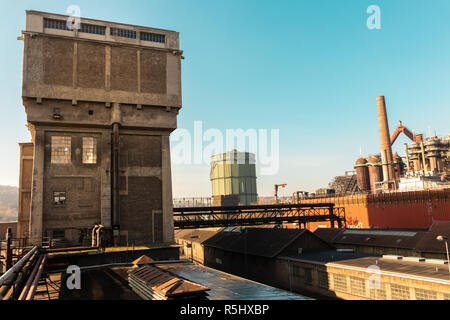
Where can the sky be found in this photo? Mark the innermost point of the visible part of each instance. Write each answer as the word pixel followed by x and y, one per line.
pixel 310 68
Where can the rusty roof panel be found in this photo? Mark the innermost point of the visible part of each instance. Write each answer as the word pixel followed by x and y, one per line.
pixel 153 283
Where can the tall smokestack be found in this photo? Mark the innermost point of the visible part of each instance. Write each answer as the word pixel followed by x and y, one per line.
pixel 385 140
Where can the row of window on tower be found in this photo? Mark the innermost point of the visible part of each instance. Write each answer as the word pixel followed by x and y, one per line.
pixel 62 150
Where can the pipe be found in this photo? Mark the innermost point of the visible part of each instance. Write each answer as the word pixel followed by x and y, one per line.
pixel 401 129
pixel 407 157
pixel 25 289
pixel 116 191
pixel 99 240
pixel 16 285
pixel 16 267
pixel 36 279
pixel 425 167
pixel 8 254
pixel 93 239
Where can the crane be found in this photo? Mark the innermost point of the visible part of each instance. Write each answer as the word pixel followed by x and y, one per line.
pixel 283 185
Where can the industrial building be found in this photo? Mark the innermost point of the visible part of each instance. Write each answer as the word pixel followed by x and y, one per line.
pixel 101 100
pixel 327 265
pixel 419 243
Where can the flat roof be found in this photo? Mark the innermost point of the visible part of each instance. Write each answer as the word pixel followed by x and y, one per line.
pixel 425 271
pixel 225 286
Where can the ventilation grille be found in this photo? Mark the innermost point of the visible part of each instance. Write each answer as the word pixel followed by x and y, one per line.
pixel 153 37
pixel 124 33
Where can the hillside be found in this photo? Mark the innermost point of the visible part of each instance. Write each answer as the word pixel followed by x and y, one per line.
pixel 8 203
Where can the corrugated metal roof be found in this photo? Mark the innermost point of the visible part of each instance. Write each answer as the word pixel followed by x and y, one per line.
pixel 429 243
pixel 328 234
pixel 255 241
pixel 196 235
pixel 419 240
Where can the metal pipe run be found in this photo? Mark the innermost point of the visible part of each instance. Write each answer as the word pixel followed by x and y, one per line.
pixel 35 283
pixel 25 289
pixel 115 180
pixel 17 266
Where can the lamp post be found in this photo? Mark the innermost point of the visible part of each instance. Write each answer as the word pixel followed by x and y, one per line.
pixel 444 238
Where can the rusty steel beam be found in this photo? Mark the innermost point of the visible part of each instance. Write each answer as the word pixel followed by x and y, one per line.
pixel 401 128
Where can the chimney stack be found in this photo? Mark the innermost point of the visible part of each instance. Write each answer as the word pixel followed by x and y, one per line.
pixel 385 140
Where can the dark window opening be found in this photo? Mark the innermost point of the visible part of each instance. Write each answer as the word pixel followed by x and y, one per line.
pixel 91 112
pixel 153 37
pixel 59 198
pixel 60 234
pixel 89 28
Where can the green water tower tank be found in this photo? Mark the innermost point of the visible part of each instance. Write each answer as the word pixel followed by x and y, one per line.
pixel 233 173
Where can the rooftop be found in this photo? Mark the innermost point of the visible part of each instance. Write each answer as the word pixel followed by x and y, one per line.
pixel 225 286
pixel 421 240
pixel 264 242
pixel 99 30
pixel 409 269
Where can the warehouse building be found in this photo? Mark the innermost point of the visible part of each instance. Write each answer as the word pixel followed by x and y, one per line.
pixel 300 261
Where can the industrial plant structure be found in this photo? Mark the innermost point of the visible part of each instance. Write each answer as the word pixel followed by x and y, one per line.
pixel 389 192
pixel 233 178
pixel 101 99
pixel 427 162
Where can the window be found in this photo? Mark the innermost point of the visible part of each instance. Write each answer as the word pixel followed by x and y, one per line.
pixel 55 24
pixel 340 282
pixel 89 150
pixel 422 294
pixel 323 279
pixel 378 293
pixel 124 33
pixel 59 198
pixel 153 37
pixel 446 296
pixel 61 149
pixel 399 292
pixel 60 234
pixel 358 286
pixel 62 25
pixel 89 28
pixel 308 276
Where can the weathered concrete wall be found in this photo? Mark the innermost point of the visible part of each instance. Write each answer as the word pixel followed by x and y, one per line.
pixel 25 183
pixel 140 188
pixel 79 84
pixel 82 70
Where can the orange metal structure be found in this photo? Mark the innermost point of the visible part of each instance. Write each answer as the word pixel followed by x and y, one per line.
pixel 414 209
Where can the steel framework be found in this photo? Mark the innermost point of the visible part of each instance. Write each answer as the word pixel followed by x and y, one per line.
pixel 206 217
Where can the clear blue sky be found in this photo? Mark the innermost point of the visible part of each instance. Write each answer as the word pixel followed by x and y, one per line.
pixel 309 68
